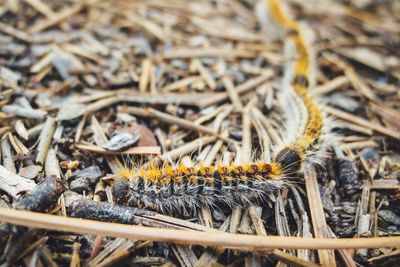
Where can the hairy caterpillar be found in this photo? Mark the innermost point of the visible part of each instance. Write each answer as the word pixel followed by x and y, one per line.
pixel 183 189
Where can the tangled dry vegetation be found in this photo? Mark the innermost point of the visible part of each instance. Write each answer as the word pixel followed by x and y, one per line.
pixel 89 86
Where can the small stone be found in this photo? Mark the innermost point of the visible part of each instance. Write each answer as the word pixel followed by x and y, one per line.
pixel 389 217
pixel 85 180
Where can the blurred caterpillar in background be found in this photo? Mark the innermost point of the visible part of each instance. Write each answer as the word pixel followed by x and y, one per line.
pixel 182 189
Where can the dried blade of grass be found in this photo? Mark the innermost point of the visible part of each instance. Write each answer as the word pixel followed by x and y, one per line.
pixel 360 121
pixel 326 257
pixel 237 241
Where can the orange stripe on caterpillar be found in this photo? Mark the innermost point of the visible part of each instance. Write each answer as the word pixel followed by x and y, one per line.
pixel 300 85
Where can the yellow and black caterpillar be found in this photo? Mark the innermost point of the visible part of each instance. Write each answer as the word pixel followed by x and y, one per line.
pixel 182 189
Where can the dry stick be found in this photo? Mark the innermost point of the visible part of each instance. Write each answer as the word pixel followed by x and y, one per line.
pixel 237 241
pixel 232 92
pixel 291 260
pixel 329 86
pixel 153 113
pixel 208 52
pixel 181 151
pixel 45 138
pixel 181 83
pixel 388 114
pixel 41 7
pixel 326 257
pixel 58 17
pixel 360 121
pixel 205 74
pixel 102 103
pixel 7 29
pixel 240 89
pixel 194 99
pixel 142 150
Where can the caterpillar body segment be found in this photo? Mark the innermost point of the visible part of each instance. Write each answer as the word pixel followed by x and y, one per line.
pixel 181 190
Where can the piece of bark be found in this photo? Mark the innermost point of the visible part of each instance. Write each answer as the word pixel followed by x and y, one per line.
pixel 14 184
pixel 43 196
pixel 106 212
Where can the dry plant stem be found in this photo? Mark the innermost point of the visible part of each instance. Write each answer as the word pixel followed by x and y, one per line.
pixel 238 241
pixel 41 7
pixel 181 151
pixel 326 257
pixel 14 184
pixel 167 118
pixel 240 89
pixel 291 260
pixel 360 121
pixel 205 74
pixel 46 136
pixel 329 86
pixel 7 29
pixel 102 103
pixel 143 150
pixel 58 17
pixel 232 92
